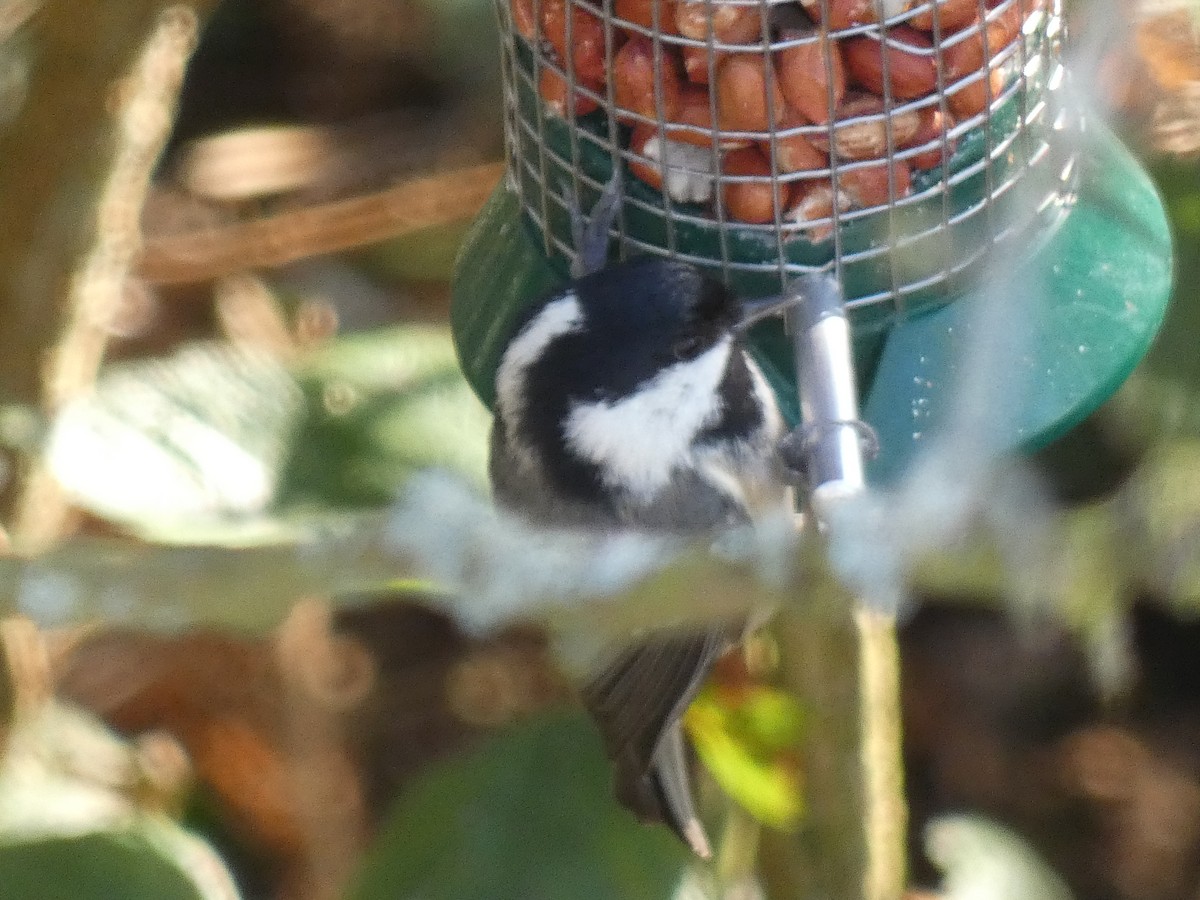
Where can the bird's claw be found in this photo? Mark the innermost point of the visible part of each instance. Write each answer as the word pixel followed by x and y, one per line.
pixel 590 234
pixel 797 445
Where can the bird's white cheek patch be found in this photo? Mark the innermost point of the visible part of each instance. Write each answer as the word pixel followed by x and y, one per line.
pixel 638 441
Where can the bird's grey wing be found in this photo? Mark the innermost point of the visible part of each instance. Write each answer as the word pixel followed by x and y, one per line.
pixel 637 702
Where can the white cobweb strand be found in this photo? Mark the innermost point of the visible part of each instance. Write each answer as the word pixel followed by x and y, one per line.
pixel 964 482
pixel 500 569
pixel 503 569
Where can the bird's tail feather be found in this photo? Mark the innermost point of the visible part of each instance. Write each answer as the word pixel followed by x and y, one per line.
pixel 671 774
pixel 637 701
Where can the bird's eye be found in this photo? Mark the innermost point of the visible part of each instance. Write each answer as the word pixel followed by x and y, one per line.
pixel 687 347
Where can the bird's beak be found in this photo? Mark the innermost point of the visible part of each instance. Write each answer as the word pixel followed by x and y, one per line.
pixel 754 311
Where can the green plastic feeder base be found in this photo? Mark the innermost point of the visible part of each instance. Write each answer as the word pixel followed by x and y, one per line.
pixel 1101 279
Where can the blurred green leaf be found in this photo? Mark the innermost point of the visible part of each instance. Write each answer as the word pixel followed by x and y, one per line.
pixel 220 445
pixel 749 741
pixel 382 405
pixel 983 860
pixel 99 866
pixel 1162 521
pixel 79 818
pixel 530 816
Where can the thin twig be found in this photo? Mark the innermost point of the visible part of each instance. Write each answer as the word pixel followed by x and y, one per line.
pixel 298 234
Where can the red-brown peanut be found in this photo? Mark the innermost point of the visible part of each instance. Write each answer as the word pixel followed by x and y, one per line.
pixel 808 84
pixel 695 109
pixel 690 170
pixel 641 12
pixel 861 128
pixel 966 56
pixel 524 19
pixel 933 128
pixel 950 15
pixel 634 78
pixel 911 73
pixel 646 172
pixel 556 94
pixel 813 201
pixel 842 13
pixel 730 23
pixel 586 51
pixel 963 52
pixel 751 201
pixel 748 94
pixel 695 63
pixel 971 99
pixel 794 152
pixel 869 186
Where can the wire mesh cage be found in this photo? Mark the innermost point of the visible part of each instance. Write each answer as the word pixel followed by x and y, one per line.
pixel 761 139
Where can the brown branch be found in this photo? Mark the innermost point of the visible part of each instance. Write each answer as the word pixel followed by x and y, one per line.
pixel 147 98
pixel 298 234
pixel 843 664
pixel 57 148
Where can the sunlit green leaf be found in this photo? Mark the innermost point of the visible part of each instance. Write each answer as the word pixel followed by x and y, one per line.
pixel 1163 516
pixel 78 821
pixel 748 742
pixel 983 859
pixel 219 445
pixel 383 404
pixel 198 437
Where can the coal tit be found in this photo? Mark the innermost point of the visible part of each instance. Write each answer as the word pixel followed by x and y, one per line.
pixel 627 400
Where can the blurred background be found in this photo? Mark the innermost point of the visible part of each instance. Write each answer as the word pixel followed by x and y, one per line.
pixel 223 307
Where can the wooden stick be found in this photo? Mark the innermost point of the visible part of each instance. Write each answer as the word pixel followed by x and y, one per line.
pixel 842 662
pixel 57 150
pixel 147 101
pixel 298 234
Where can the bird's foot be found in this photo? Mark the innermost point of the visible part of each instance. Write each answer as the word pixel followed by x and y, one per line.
pixel 590 234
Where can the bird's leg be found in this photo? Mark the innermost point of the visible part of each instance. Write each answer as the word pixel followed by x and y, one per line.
pixel 590 234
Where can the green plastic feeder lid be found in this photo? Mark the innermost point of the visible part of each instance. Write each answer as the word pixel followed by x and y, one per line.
pixel 1102 276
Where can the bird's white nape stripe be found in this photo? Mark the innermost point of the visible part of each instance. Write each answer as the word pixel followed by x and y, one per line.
pixel 556 318
pixel 773 423
pixel 640 440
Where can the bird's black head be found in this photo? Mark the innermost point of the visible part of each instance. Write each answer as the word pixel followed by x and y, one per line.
pixel 641 317
pixel 607 338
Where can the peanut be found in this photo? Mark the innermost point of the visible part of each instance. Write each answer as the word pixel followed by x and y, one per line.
pixel 586 52
pixel 556 94
pixel 807 83
pixel 641 12
pixel 634 79
pixel 748 94
pixel 730 23
pixel 911 73
pixel 752 201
